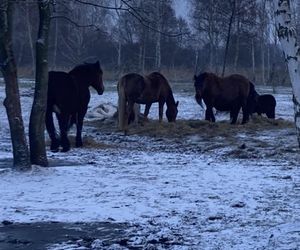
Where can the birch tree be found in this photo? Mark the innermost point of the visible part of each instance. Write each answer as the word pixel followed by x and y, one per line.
pixel 286 32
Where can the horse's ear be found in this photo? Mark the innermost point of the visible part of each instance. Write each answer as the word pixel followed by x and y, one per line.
pixel 195 77
pixel 177 103
pixel 97 64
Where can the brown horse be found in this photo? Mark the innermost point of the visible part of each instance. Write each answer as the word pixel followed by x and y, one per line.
pixel 134 88
pixel 224 94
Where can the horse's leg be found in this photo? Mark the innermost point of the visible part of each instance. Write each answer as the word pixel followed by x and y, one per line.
pixel 271 114
pixel 130 112
pixel 63 121
pixel 147 109
pixel 245 112
pixel 209 114
pixel 136 112
pixel 80 117
pixel 51 131
pixel 160 110
pixel 231 114
pixel 234 113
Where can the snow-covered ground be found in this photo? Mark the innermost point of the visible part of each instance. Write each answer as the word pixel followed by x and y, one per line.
pixel 192 185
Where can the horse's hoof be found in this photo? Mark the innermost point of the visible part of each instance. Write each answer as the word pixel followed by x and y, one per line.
pixel 78 144
pixel 54 150
pixel 54 147
pixel 65 149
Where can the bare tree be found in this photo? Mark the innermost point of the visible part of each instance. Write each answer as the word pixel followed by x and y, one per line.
pixel 37 117
pixel 12 100
pixel 231 19
pixel 262 33
pixel 30 39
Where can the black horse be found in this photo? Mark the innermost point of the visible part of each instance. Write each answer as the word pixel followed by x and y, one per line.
pixel 265 104
pixel 68 97
pixel 229 93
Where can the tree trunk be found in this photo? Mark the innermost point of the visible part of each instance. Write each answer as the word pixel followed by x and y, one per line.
pixel 228 36
pixel 253 59
pixel 37 117
pixel 55 44
pixel 196 61
pixel 140 56
pixel 158 37
pixel 12 100
pixel 268 65
pixel 158 52
pixel 119 57
pixel 287 36
pixel 237 46
pixel 262 54
pixel 210 56
pixel 29 31
pixel 144 56
pixel 262 40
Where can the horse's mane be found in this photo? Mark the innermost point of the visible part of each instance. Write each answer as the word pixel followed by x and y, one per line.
pixel 211 77
pixel 80 67
pixel 170 97
pixel 85 67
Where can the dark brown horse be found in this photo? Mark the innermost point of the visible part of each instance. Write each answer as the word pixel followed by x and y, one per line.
pixel 265 104
pixel 134 88
pixel 230 93
pixel 68 97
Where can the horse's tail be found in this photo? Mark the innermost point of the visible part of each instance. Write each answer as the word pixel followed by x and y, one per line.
pixel 199 100
pixel 49 120
pixel 122 121
pixel 50 126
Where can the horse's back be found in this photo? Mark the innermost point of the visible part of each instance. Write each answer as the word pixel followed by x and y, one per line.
pixel 267 99
pixel 236 85
pixel 62 91
pixel 159 87
pixel 132 85
pixel 158 80
pixel 237 80
pixel 60 81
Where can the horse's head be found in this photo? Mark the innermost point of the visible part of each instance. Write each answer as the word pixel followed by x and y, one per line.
pixel 171 112
pixel 96 75
pixel 199 86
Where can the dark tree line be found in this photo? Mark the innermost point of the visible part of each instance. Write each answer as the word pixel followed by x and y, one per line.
pixel 230 36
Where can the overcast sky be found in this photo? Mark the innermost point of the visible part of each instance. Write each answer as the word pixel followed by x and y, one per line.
pixel 181 8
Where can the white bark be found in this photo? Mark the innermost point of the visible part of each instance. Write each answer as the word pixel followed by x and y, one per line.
pixel 286 32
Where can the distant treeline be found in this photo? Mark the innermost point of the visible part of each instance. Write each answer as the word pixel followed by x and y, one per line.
pixel 237 34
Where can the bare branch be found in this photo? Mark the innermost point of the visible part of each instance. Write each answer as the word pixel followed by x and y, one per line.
pixel 134 12
pixel 79 25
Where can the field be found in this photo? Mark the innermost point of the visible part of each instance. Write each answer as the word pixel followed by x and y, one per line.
pixel 188 185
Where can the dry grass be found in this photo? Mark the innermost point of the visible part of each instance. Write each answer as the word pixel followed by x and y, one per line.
pixel 206 129
pixel 186 128
pixel 260 138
